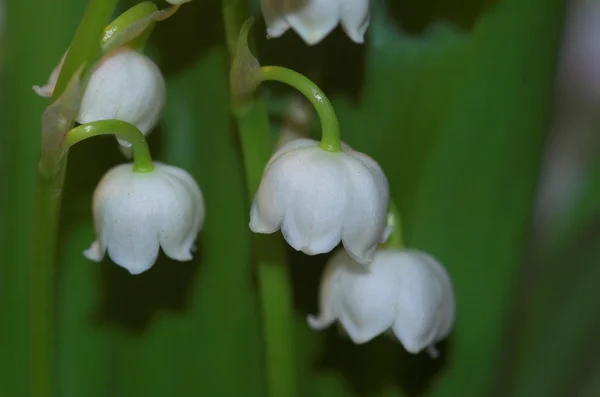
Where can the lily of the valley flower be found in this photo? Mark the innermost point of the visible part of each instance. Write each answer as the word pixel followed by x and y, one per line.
pixel 318 198
pixel 403 291
pixel 125 85
pixel 136 213
pixel 315 19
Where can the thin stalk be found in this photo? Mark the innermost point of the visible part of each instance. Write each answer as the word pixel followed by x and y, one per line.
pixel 84 47
pixel 330 127
pixel 134 27
pixel 396 239
pixel 142 160
pixel 273 269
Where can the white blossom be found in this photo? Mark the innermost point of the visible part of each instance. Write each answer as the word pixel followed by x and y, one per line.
pixel 136 213
pixel 319 198
pixel 125 85
pixel 405 292
pixel 315 19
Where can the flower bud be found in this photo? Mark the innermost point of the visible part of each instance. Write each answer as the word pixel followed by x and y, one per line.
pixel 315 19
pixel 136 213
pixel 406 292
pixel 319 198
pixel 125 85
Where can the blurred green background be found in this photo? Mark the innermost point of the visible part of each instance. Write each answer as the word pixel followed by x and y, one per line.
pixel 453 98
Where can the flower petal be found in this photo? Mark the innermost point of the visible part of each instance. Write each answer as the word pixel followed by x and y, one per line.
pixel 95 252
pixel 355 16
pixel 125 85
pixel 47 90
pixel 367 225
pixel 314 19
pixel 425 301
pixel 369 296
pixel 274 14
pixel 329 293
pixel 126 220
pixel 268 206
pixel 183 212
pixel 317 201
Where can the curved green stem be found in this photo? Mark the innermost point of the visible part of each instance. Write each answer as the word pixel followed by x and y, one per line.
pixel 395 240
pixel 123 21
pixel 142 160
pixel 330 127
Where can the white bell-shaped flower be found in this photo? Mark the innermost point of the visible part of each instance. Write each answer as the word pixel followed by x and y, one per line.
pixel 405 292
pixel 136 213
pixel 315 19
pixel 319 198
pixel 125 85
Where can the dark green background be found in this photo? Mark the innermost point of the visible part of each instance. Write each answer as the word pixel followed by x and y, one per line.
pixel 451 97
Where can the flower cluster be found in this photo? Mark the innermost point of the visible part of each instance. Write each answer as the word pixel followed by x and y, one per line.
pixel 317 193
pixel 319 198
pixel 140 206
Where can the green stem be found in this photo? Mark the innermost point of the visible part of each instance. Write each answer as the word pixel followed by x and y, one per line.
pixel 395 240
pixel 142 160
pixel 123 22
pixel 330 127
pixel 84 47
pixel 273 270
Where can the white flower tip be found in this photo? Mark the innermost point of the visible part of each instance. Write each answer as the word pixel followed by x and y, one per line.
pixel 433 352
pixel 363 258
pixel 312 37
pixel 45 91
pixel 182 256
pixel 124 143
pixel 94 253
pixel 276 31
pixel 134 271
pixel 126 150
pixel 309 249
pixel 257 224
pixel 357 37
pixel 319 323
pixel 360 339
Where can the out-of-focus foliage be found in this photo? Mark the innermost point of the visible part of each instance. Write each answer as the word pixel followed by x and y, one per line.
pixel 450 97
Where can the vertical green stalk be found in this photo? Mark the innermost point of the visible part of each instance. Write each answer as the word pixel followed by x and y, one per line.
pixel 84 47
pixel 273 270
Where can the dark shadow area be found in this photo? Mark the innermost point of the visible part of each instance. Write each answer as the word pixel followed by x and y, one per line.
pixel 373 367
pixel 184 38
pixel 336 64
pixel 306 277
pixel 415 16
pixel 132 302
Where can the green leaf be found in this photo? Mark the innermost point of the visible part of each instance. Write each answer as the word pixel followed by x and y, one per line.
pixel 455 117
